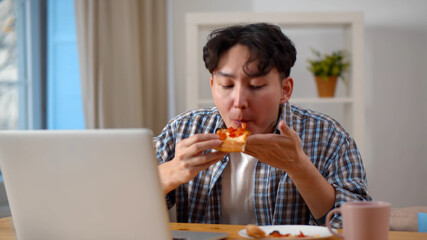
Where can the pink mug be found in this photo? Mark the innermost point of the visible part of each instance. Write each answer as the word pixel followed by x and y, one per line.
pixel 362 220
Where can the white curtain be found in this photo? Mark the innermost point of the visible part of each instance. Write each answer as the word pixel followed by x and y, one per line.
pixel 122 54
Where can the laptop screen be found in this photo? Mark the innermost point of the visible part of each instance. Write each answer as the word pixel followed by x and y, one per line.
pixel 85 184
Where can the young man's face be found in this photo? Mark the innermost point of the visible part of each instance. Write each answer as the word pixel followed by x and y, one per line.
pixel 241 98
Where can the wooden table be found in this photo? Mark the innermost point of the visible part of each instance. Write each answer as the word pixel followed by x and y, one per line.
pixel 7 231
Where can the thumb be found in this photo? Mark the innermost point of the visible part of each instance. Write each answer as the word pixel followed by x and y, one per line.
pixel 285 130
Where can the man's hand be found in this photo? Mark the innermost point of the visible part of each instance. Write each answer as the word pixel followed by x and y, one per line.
pixel 189 160
pixel 285 152
pixel 282 151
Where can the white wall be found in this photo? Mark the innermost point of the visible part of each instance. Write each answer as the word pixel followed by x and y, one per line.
pixel 396 84
pixel 178 9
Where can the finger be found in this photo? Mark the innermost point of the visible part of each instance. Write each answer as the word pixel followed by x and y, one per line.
pixel 196 150
pixel 199 138
pixel 207 158
pixel 261 140
pixel 200 147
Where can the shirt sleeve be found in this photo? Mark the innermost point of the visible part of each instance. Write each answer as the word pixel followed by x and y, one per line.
pixel 347 175
pixel 164 145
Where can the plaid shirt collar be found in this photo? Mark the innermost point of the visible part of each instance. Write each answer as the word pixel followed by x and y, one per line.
pixel 286 115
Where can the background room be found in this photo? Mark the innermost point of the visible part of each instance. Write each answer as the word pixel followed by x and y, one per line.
pixel 395 57
pixel 394 73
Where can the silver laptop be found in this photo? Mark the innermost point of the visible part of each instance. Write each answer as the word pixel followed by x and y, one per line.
pixel 85 184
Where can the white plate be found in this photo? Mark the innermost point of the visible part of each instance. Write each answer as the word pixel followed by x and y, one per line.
pixel 315 232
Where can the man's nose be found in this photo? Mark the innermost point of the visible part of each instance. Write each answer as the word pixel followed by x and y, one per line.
pixel 240 98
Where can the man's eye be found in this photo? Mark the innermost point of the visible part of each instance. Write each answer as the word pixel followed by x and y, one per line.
pixel 227 86
pixel 256 87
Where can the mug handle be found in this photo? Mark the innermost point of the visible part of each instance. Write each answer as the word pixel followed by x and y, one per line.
pixel 328 224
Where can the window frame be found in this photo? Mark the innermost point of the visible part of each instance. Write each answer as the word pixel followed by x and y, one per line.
pixel 31 42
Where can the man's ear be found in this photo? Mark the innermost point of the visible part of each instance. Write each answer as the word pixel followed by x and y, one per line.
pixel 211 81
pixel 287 87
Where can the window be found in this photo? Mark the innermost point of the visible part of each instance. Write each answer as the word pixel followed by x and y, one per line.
pixel 11 87
pixel 39 74
pixel 64 103
pixel 22 76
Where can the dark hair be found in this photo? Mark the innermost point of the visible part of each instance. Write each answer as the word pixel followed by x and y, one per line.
pixel 266 43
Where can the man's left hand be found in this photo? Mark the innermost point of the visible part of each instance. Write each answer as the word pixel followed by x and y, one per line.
pixel 282 151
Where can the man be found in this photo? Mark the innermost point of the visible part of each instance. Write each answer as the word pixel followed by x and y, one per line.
pixel 298 164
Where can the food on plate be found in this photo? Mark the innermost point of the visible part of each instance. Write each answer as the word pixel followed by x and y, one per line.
pixel 233 140
pixel 277 234
pixel 256 232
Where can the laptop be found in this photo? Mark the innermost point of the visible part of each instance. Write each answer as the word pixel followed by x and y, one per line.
pixel 85 184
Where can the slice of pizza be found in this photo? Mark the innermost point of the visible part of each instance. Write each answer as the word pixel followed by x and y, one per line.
pixel 253 230
pixel 233 140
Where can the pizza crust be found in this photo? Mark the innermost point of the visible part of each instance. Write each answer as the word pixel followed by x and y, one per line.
pixel 254 231
pixel 229 146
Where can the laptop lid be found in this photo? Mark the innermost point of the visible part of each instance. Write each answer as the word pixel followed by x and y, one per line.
pixel 88 184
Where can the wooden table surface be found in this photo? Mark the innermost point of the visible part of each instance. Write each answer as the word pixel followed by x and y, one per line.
pixel 7 231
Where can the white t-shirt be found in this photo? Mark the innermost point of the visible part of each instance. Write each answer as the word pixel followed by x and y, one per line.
pixel 237 197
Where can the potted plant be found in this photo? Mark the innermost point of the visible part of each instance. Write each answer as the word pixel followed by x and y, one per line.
pixel 327 68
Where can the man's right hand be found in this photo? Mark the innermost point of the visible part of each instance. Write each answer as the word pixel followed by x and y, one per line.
pixel 189 160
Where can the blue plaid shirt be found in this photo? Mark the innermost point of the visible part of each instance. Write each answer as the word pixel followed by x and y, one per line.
pixel 276 199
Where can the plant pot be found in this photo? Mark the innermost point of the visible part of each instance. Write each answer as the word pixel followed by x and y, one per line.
pixel 326 87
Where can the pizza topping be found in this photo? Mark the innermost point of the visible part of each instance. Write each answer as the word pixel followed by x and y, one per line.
pixel 237 132
pixel 302 234
pixel 277 234
pixel 222 135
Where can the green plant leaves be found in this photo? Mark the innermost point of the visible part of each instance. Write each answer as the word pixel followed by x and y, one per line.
pixel 334 64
